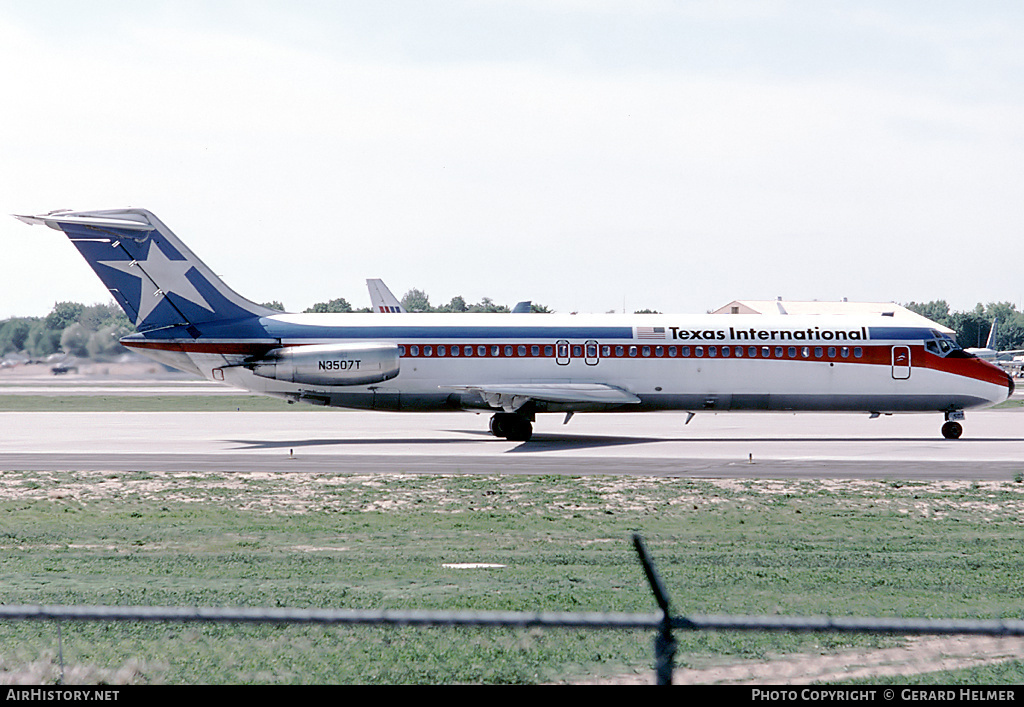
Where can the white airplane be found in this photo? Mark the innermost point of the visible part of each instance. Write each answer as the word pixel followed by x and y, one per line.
pixel 518 365
pixel 990 351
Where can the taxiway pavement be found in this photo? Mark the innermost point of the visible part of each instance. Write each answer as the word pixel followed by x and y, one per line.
pixel 341 441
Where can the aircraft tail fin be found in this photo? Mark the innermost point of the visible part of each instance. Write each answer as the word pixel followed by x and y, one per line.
pixel 381 298
pixel 991 344
pixel 155 278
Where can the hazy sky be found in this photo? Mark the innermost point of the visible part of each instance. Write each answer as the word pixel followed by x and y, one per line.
pixel 586 155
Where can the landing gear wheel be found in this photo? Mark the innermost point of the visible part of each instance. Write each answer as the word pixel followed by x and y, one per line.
pixel 952 430
pixel 511 426
pixel 497 426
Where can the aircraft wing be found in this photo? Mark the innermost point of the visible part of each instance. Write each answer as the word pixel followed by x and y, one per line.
pixel 512 396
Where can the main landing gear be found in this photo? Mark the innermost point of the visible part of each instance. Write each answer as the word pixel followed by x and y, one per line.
pixel 512 426
pixel 952 429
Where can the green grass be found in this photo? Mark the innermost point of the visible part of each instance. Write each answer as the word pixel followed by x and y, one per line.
pixel 323 540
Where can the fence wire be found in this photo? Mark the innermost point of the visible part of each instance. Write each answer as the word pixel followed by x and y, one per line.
pixel 661 621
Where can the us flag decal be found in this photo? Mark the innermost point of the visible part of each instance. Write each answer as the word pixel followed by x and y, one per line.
pixel 650 332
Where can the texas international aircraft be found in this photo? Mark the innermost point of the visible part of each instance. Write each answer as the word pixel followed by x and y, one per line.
pixel 518 365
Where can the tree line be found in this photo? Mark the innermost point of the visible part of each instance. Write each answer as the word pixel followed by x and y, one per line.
pixel 84 331
pixel 417 301
pixel 972 326
pixel 93 331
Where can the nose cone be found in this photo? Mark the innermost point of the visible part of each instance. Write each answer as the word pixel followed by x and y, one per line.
pixel 1009 386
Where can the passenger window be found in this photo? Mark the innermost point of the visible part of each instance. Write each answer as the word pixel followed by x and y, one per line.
pixel 659 351
pixel 535 350
pixel 845 352
pixel 482 350
pixel 521 350
pixel 428 350
pixel 712 351
pixel 414 350
pixel 698 351
pixel 441 350
pixel 831 351
pixel 792 352
pixel 619 351
pixel 805 351
pixel 778 352
pixel 646 351
pixel 672 352
pixel 858 352
pixel 606 351
pixel 401 349
pixel 685 351
pixel 508 350
pixel 455 351
pixel 632 351
pixel 577 350
pixel 549 350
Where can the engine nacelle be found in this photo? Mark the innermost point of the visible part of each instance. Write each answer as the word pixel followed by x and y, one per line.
pixel 330 364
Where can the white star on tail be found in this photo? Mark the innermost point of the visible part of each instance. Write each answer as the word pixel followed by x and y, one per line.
pixel 159 276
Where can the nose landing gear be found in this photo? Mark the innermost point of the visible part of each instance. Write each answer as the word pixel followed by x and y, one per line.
pixel 952 429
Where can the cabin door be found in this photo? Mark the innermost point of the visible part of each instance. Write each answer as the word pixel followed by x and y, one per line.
pixel 901 362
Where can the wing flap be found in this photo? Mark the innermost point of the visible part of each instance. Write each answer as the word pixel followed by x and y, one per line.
pixel 512 396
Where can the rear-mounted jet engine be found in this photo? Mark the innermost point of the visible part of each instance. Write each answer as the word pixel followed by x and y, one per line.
pixel 329 364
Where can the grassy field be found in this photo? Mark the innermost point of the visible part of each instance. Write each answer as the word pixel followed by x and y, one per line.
pixel 324 540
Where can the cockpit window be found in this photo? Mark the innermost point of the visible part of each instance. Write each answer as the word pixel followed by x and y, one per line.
pixel 943 346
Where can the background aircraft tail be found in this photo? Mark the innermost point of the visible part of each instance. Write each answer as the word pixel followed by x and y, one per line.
pixel 991 344
pixel 155 278
pixel 381 298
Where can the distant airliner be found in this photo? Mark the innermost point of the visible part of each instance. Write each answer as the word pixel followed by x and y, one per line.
pixel 518 365
pixel 381 300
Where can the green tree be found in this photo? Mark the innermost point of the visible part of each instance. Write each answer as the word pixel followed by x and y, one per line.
pixel 74 339
pixel 273 305
pixel 41 340
pixel 105 342
pixel 416 301
pixel 458 304
pixel 936 310
pixel 13 334
pixel 335 305
pixel 63 315
pixel 487 305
